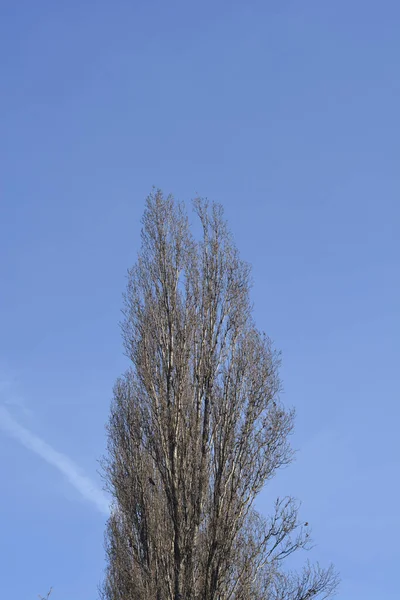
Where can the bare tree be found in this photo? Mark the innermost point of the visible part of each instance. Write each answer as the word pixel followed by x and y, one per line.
pixel 197 429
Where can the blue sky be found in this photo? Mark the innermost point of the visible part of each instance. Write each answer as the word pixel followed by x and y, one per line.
pixel 287 113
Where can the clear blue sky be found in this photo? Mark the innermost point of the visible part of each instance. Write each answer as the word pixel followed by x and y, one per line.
pixel 285 111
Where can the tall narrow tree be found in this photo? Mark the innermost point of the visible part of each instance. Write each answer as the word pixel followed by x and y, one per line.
pixel 197 429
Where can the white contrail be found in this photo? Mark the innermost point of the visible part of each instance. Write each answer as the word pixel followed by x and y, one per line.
pixel 85 486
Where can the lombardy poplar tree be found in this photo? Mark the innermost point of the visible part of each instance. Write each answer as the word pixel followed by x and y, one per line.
pixel 197 429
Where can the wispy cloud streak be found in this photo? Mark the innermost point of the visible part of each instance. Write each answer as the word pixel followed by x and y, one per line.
pixel 83 484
